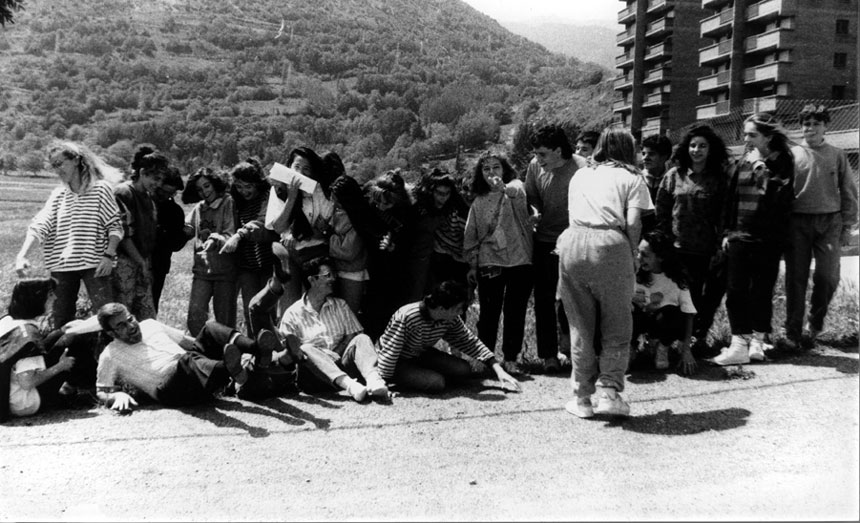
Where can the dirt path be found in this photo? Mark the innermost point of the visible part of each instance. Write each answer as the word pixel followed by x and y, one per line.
pixel 780 445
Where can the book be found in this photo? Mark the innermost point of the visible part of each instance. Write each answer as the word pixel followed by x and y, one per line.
pixel 284 174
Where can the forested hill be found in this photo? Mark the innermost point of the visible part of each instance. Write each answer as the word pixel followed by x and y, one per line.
pixel 385 83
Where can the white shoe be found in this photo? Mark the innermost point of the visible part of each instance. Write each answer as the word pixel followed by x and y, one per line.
pixel 757 347
pixel 580 407
pixel 610 402
pixel 378 389
pixel 356 390
pixel 738 353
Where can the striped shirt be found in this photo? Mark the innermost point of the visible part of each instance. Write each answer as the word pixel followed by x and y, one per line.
pixel 324 329
pixel 758 206
pixel 411 331
pixel 253 255
pixel 74 228
pixel 449 236
pixel 145 365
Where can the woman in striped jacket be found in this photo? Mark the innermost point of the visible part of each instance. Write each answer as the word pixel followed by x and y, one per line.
pixel 79 229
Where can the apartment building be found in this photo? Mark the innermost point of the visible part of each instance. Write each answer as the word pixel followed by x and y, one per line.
pixel 689 60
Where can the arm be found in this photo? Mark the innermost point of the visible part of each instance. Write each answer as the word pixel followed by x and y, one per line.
pixel 848 197
pixel 470 245
pixel 33 378
pixel 22 264
pixel 278 212
pixel 391 344
pixel 665 203
pixel 687 365
pixel 115 399
pixel 465 341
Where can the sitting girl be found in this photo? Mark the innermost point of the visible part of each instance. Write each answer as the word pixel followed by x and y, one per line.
pixel 663 309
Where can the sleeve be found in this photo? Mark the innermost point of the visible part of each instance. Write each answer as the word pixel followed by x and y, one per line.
pixel 391 344
pixel 847 192
pixel 686 302
pixel 125 204
pixel 351 325
pixel 470 238
pixel 638 197
pixel 465 341
pixel 228 220
pixel 665 203
pixel 730 209
pixel 174 222
pixel 532 193
pixel 289 325
pixel 274 209
pixel 176 336
pixel 110 211
pixel 345 243
pixel 45 221
pixel 29 364
pixel 106 373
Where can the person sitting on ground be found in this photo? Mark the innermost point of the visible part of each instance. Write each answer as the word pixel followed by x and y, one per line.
pixel 170 367
pixel 30 379
pixel 406 349
pixel 335 348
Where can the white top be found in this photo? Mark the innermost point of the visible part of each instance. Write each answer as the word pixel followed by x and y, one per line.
pixel 663 292
pixel 24 402
pixel 600 196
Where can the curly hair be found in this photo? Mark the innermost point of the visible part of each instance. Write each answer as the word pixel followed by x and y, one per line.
pixel 718 155
pixel 664 248
pixel 552 137
pixel 426 186
pixel 149 161
pixel 770 126
pixel 218 179
pixel 479 184
pixel 248 171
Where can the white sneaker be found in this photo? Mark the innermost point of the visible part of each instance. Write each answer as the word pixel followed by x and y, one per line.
pixel 661 358
pixel 356 390
pixel 738 353
pixel 610 402
pixel 377 388
pixel 580 407
pixel 757 347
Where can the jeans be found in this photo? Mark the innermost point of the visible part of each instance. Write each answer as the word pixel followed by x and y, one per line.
pixel 666 324
pixel 752 272
pixel 707 288
pixel 509 290
pixel 262 309
pixel 68 283
pixel 431 371
pixel 596 287
pixel 222 293
pixel 249 282
pixel 357 359
pixel 548 313
pixel 811 236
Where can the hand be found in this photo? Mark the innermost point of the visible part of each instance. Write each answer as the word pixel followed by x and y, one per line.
pixel 725 244
pixel 534 219
pixel 104 268
pixel 22 266
pixel 472 277
pixel 687 365
pixel 510 191
pixel 208 245
pixel 293 188
pixel 65 362
pixel 231 244
pixel 508 382
pixel 121 402
pixel 845 237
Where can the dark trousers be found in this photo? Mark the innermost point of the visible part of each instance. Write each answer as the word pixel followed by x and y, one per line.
pixel 85 348
pixel 68 284
pixel 549 312
pixel 752 272
pixel 262 309
pixel 510 291
pixel 707 287
pixel 666 324
pixel 431 371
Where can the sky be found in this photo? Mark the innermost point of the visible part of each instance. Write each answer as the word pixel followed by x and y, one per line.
pixel 557 10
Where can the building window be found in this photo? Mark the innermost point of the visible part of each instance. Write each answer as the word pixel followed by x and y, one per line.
pixel 840 60
pixel 842 27
pixel 837 92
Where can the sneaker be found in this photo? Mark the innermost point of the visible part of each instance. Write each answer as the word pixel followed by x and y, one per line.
pixel 512 367
pixel 661 357
pixel 757 347
pixel 356 390
pixel 610 402
pixel 233 362
pixel 738 353
pixel 580 407
pixel 267 343
pixel 551 365
pixel 377 388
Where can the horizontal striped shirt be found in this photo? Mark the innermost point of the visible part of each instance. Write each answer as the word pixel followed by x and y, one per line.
pixel 449 236
pixel 253 255
pixel 411 331
pixel 324 329
pixel 145 365
pixel 760 197
pixel 74 228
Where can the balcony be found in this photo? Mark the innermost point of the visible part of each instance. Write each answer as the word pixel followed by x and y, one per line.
pixel 625 37
pixel 661 50
pixel 624 60
pixel 769 9
pixel 656 99
pixel 655 6
pixel 628 14
pixel 775 39
pixel 656 76
pixel 716 53
pixel 659 27
pixel 713 4
pixel 757 105
pixel 712 110
pixel 714 82
pixel 620 106
pixel 651 126
pixel 713 26
pixel 772 72
pixel 623 82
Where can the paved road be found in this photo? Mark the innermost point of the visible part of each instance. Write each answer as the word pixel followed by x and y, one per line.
pixel 782 444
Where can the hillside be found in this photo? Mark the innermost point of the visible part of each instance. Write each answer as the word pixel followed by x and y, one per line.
pixel 587 43
pixel 384 83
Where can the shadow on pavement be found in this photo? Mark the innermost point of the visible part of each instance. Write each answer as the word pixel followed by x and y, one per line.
pixel 50 417
pixel 812 359
pixel 666 423
pixel 282 412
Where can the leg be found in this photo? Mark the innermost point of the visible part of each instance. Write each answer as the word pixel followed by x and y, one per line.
pixel 431 371
pixel 738 288
pixel 798 256
pixel 518 287
pixel 198 305
pixel 68 283
pixel 249 283
pixel 261 308
pixel 98 289
pixel 546 275
pixel 224 302
pixel 825 279
pixel 614 280
pixel 712 295
pixel 491 293
pixel 351 292
pixel 322 363
pixel 766 267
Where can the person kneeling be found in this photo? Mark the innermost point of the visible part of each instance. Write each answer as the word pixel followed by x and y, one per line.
pixel 406 349
pixel 170 367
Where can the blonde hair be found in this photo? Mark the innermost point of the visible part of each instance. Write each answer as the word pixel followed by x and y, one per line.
pixel 90 166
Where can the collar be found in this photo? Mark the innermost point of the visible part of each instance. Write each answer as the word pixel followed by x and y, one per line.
pixel 215 204
pixel 306 304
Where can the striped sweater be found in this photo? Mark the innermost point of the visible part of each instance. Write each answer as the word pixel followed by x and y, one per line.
pixel 74 228
pixel 758 205
pixel 411 331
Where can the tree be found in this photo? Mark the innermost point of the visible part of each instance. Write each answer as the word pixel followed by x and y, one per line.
pixel 6 8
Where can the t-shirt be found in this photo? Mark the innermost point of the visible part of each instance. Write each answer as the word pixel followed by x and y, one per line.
pixel 664 292
pixel 24 402
pixel 600 196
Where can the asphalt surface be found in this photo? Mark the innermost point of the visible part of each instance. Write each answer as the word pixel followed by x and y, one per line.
pixel 776 441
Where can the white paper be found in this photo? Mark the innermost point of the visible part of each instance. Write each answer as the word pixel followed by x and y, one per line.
pixel 284 174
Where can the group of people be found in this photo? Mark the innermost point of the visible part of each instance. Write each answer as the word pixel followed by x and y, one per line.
pixel 352 286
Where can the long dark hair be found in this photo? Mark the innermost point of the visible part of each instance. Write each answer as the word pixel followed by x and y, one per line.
pixel 148 159
pixel 426 186
pixel 718 155
pixel 29 298
pixel 300 227
pixel 664 248
pixel 249 171
pixel 364 220
pixel 218 180
pixel 479 184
